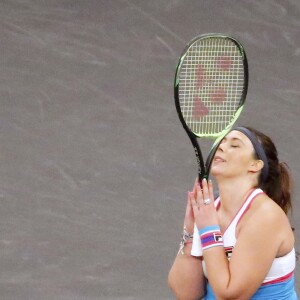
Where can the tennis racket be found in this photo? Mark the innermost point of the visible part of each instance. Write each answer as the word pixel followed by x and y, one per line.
pixel 210 89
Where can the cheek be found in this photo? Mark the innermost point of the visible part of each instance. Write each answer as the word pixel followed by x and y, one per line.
pixel 244 159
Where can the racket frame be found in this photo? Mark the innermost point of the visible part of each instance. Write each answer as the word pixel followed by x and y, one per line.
pixel 204 168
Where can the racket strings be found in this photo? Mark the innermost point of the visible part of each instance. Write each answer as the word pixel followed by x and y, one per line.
pixel 211 85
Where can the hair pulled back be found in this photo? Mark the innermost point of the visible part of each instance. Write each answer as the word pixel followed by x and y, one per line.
pixel 278 184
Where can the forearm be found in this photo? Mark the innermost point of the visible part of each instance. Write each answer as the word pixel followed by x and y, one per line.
pixel 217 265
pixel 218 272
pixel 186 278
pixel 226 283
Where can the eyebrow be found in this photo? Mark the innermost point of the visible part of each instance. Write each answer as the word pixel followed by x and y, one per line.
pixel 234 139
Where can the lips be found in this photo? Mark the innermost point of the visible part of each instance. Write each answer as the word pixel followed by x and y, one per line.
pixel 219 159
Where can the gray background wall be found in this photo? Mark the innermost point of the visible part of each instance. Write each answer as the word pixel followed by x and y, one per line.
pixel 94 163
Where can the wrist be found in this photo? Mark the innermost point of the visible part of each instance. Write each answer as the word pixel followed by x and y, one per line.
pixel 211 236
pixel 186 241
pixel 188 226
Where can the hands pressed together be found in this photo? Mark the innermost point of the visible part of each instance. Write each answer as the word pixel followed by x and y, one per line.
pixel 200 206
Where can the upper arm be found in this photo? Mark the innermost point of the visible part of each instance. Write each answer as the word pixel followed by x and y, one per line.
pixel 186 278
pixel 257 244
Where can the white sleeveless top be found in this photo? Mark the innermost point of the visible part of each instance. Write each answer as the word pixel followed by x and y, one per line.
pixel 281 266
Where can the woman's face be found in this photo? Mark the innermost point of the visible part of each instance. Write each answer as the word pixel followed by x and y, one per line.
pixel 234 156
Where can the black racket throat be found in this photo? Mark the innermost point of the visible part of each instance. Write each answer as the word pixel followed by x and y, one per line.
pixel 203 168
pixel 202 172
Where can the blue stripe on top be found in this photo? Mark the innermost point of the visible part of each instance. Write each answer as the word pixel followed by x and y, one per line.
pixel 277 291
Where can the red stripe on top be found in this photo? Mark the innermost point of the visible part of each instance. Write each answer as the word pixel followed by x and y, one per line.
pixel 246 198
pixel 280 279
pixel 248 206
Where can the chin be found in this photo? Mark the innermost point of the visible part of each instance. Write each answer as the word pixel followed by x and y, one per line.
pixel 215 169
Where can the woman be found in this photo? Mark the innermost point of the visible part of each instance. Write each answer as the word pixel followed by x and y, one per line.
pixel 247 241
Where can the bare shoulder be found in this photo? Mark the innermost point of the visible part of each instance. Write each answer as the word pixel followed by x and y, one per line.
pixel 265 214
pixel 264 209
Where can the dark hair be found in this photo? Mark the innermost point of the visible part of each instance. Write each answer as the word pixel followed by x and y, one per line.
pixel 278 183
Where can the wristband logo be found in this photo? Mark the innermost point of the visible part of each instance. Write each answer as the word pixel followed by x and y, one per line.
pixel 218 237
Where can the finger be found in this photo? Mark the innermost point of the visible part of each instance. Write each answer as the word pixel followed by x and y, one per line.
pixel 195 186
pixel 189 215
pixel 193 200
pixel 189 203
pixel 194 203
pixel 211 190
pixel 199 195
pixel 205 189
pixel 191 196
pixel 190 199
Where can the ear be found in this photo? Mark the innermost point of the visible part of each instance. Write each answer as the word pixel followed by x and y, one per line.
pixel 256 165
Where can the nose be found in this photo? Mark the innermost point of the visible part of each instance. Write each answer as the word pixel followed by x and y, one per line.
pixel 221 146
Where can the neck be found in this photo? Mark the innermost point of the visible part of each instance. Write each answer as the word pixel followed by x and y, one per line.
pixel 233 193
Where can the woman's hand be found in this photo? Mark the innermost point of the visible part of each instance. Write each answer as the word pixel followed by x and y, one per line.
pixel 202 201
pixel 189 218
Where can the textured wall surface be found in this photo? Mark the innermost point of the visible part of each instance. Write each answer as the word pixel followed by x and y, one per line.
pixel 94 163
